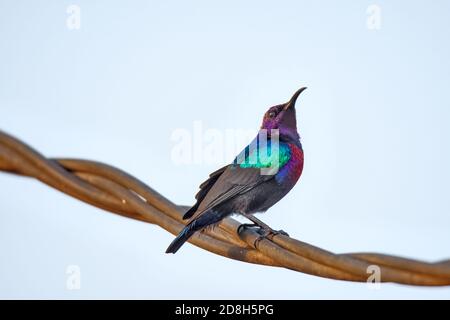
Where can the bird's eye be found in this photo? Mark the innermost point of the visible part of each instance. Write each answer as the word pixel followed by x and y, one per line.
pixel 272 114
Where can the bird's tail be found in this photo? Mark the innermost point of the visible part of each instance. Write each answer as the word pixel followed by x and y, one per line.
pixel 182 237
pixel 202 221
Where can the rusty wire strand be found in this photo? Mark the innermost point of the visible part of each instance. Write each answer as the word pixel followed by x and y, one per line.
pixel 116 191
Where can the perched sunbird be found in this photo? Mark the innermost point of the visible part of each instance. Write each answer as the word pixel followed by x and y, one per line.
pixel 263 173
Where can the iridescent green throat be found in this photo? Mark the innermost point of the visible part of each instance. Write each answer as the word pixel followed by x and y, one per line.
pixel 265 158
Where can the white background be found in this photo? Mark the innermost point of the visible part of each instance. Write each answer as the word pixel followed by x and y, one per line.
pixel 374 125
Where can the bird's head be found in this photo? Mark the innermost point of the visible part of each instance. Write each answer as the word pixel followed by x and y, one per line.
pixel 282 117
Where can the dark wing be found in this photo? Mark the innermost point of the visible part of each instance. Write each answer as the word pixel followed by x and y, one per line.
pixel 233 181
pixel 204 188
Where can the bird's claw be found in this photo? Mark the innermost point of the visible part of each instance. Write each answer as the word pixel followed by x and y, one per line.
pixel 268 234
pixel 264 233
pixel 283 233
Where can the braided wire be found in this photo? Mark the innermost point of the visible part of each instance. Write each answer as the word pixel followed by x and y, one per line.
pixel 116 191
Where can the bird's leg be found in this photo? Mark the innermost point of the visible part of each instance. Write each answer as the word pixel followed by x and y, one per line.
pixel 267 232
pixel 256 221
pixel 246 225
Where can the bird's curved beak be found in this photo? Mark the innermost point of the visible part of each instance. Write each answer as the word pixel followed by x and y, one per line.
pixel 291 102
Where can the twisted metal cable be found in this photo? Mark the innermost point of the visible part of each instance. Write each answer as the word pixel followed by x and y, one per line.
pixel 116 191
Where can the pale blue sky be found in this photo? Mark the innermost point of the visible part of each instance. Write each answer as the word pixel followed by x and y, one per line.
pixel 374 125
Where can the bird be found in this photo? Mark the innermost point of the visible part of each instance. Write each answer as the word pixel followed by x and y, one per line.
pixel 260 175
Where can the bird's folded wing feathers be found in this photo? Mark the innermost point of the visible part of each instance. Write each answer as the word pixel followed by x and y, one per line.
pixel 233 181
pixel 229 181
pixel 206 185
pixel 204 188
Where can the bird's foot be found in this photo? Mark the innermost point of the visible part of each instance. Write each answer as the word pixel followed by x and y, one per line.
pixel 270 233
pixel 264 233
pixel 267 233
pixel 283 233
